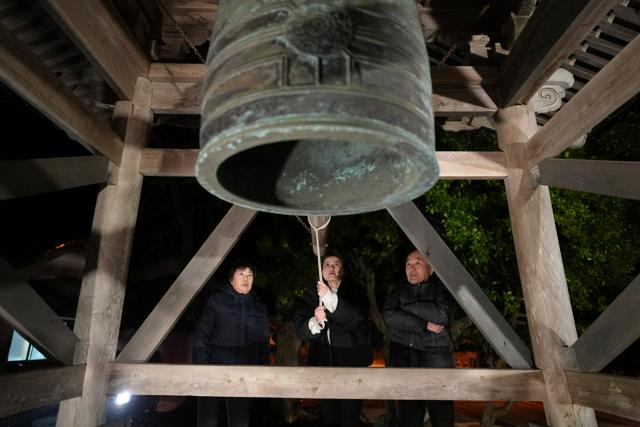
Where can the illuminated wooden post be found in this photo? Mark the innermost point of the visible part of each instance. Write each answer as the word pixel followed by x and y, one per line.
pixel 544 284
pixel 102 294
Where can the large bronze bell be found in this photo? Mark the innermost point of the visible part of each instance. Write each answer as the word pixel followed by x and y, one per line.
pixel 317 107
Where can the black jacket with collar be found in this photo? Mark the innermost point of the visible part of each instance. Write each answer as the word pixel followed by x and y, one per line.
pixel 408 308
pixel 233 330
pixel 347 328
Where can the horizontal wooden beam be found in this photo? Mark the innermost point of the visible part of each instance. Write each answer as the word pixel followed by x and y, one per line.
pixel 611 178
pixel 160 72
pixel 471 165
pixel 614 85
pixel 20 178
pixel 25 74
pixel 190 281
pixel 453 164
pixel 26 312
pixel 612 332
pixel 554 31
pixel 457 91
pixel 327 383
pixel 101 36
pixel 607 393
pixel 462 286
pixel 34 389
pixel 168 162
pixel 446 75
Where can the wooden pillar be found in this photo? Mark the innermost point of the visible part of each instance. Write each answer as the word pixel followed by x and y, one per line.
pixel 544 284
pixel 101 298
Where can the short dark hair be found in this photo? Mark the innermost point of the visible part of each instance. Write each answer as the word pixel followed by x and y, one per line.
pixel 241 264
pixel 333 254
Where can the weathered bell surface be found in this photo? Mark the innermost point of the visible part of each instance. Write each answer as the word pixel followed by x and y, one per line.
pixel 317 107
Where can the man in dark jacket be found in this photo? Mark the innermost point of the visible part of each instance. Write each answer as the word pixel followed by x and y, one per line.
pixel 338 332
pixel 418 312
pixel 233 330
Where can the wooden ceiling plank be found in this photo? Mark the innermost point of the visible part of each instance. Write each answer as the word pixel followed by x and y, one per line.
pixel 555 30
pixel 612 394
pixel 462 286
pixel 626 13
pixel 26 75
pixel 331 383
pixel 602 45
pixel 594 61
pixel 20 178
pixel 35 389
pixel 618 31
pixel 598 346
pixel 610 178
pixel 457 91
pixel 97 31
pixel 614 85
pixel 192 279
pixel 26 312
pixel 453 164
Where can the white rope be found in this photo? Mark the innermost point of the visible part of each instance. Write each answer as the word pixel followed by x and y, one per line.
pixel 315 230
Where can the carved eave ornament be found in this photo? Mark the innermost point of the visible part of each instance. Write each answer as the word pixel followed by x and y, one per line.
pixel 549 97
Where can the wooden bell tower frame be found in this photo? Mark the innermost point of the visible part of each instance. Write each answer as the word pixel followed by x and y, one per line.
pixel 563 372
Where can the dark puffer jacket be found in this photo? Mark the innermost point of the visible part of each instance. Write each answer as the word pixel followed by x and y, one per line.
pixel 347 328
pixel 408 308
pixel 233 330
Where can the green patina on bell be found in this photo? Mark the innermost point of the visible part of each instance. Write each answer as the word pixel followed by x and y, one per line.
pixel 317 107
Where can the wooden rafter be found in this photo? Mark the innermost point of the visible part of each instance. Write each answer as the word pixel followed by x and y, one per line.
pixel 599 345
pixel 23 72
pixel 99 34
pixel 458 91
pixel 20 178
pixel 333 383
pixel 611 178
pixel 195 275
pixel 608 393
pixel 555 29
pixel 606 91
pixel 26 312
pixel 34 389
pixel 462 286
pixel 453 164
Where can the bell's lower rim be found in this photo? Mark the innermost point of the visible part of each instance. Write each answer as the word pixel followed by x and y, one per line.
pixel 393 141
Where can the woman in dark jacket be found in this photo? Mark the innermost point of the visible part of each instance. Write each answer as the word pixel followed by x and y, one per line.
pixel 334 320
pixel 233 330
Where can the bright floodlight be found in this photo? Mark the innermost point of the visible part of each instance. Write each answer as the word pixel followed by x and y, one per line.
pixel 123 398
